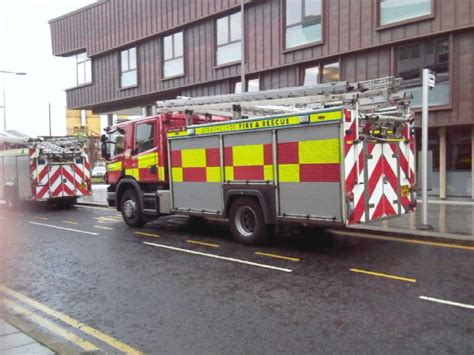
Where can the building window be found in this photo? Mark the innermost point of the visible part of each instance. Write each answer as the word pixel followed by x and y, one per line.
pixel 303 22
pixel 253 85
pixel 318 74
pixel 173 63
pixel 128 65
pixel 413 58
pixel 83 69
pixel 145 137
pixel 229 36
pixel 458 154
pixel 392 11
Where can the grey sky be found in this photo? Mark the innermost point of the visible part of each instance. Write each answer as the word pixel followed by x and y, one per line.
pixel 25 46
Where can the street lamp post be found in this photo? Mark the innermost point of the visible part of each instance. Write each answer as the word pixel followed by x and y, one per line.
pixel 4 95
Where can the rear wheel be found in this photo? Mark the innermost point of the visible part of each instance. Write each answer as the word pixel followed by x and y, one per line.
pixel 247 223
pixel 11 198
pixel 66 202
pixel 132 213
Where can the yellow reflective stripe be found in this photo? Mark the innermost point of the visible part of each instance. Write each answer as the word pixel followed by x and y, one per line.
pixel 289 172
pixel 268 172
pixel 229 173
pixel 193 158
pixel 213 174
pixel 161 171
pixel 325 116
pixel 132 172
pixel 178 134
pixel 249 125
pixel 247 155
pixel 115 166
pixel 147 160
pixel 322 151
pixel 177 174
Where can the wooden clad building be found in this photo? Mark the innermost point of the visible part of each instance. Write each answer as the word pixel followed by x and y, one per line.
pixel 130 53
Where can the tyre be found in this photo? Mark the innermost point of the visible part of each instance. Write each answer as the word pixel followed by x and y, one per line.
pixel 247 223
pixel 66 202
pixel 132 212
pixel 11 198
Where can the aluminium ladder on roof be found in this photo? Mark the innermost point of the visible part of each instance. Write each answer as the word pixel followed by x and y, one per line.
pixel 371 96
pixel 58 146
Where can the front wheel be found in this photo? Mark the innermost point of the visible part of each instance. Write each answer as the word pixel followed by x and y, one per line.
pixel 247 223
pixel 131 211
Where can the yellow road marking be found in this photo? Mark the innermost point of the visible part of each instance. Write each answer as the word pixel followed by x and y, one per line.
pixel 277 256
pixel 70 222
pixel 43 218
pixel 115 343
pixel 203 243
pixel 410 241
pixel 84 344
pixel 100 227
pixel 144 234
pixel 383 275
pixel 105 219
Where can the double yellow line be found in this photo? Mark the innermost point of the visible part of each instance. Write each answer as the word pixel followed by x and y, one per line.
pixel 87 346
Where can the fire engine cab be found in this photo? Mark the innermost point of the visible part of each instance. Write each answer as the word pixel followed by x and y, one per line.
pixel 330 154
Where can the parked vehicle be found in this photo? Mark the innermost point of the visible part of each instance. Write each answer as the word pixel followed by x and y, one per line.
pixel 99 171
pixel 341 154
pixel 54 170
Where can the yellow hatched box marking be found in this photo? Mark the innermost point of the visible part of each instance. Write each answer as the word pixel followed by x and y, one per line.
pixel 325 116
pixel 177 174
pixel 193 158
pixel 323 151
pixel 289 172
pixel 268 172
pixel 229 173
pixel 116 166
pixel 247 155
pixel 213 174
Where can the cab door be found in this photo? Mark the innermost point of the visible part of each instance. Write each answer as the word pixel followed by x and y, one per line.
pixel 145 154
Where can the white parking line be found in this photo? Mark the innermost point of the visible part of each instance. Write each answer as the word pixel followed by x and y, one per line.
pixel 66 229
pixel 437 300
pixel 219 257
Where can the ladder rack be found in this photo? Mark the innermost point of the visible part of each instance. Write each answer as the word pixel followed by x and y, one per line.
pixel 371 96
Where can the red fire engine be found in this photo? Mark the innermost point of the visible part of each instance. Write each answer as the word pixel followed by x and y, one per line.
pixel 339 153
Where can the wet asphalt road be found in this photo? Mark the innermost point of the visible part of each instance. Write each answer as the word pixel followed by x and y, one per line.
pixel 162 300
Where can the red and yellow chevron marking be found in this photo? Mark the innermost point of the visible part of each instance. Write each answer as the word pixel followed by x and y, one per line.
pixel 195 165
pixel 309 161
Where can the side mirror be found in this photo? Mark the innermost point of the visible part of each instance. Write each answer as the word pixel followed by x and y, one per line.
pixel 103 138
pixel 103 150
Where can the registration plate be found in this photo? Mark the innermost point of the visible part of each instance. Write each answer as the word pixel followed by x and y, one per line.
pixel 405 190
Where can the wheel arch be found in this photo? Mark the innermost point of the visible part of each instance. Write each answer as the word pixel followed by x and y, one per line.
pixel 125 184
pixel 261 196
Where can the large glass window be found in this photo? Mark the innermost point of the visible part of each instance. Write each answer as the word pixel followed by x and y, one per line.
pixel 83 69
pixel 145 137
pixel 318 74
pixel 253 85
pixel 128 65
pixel 392 11
pixel 458 152
pixel 303 22
pixel 173 63
pixel 413 58
pixel 229 36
